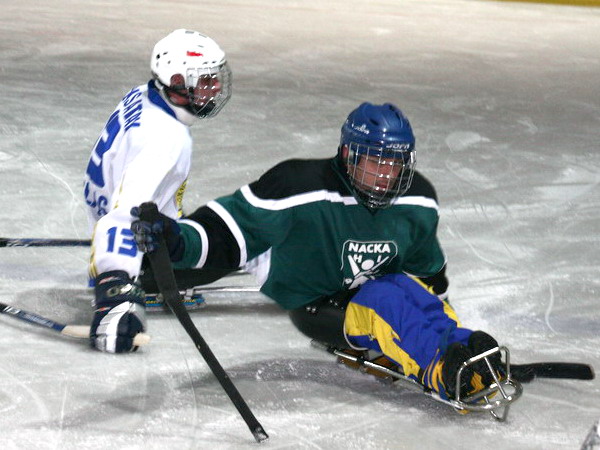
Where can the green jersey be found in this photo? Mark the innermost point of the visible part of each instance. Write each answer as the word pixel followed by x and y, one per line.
pixel 302 232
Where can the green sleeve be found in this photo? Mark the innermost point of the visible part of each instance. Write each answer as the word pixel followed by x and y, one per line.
pixel 238 228
pixel 427 258
pixel 192 245
pixel 261 224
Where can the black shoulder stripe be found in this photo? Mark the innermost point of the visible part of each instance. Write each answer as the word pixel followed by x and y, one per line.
pixel 296 176
pixel 421 187
pixel 223 250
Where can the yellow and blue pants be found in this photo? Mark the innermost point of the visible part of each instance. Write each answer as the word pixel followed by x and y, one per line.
pixel 398 316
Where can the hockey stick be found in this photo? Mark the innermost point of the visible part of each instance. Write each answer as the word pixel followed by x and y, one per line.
pixel 163 273
pixel 28 242
pixel 565 370
pixel 76 331
pixel 525 373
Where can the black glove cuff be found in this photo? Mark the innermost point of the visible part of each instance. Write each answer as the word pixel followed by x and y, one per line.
pixel 116 286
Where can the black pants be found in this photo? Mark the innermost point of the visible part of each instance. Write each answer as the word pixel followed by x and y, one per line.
pixel 186 278
pixel 323 320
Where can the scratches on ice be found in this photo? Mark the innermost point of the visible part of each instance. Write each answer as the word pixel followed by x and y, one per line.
pixel 549 309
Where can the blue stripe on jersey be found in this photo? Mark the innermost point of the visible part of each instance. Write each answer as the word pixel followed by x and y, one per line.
pixel 155 98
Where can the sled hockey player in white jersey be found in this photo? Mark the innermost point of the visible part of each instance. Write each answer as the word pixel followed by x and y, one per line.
pixel 144 154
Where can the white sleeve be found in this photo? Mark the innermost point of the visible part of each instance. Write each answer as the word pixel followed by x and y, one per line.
pixel 113 246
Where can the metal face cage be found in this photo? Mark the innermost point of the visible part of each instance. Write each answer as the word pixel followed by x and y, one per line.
pixel 380 175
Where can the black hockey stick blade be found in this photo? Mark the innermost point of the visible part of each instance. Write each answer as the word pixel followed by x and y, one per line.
pixel 563 370
pixel 33 242
pixel 165 278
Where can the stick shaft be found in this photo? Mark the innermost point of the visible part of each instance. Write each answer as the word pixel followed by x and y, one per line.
pixel 33 242
pixel 31 318
pixel 565 370
pixel 165 278
pixel 76 331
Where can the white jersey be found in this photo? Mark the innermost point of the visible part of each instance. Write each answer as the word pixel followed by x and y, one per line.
pixel 143 154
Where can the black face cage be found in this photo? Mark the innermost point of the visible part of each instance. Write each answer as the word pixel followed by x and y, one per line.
pixel 384 175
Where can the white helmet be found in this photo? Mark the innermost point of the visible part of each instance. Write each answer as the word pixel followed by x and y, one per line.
pixel 192 72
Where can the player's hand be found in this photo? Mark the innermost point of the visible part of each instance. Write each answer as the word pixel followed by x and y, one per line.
pixel 147 234
pixel 120 313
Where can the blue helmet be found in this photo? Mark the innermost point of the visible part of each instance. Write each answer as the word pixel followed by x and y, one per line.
pixel 377 147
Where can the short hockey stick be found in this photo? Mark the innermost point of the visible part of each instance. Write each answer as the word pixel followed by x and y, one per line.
pixel 29 242
pixel 565 370
pixel 525 373
pixel 76 331
pixel 163 273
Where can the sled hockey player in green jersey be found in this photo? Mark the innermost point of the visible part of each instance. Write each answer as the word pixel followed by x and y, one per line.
pixel 348 245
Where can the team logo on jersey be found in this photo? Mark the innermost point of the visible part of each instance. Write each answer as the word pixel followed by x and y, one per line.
pixel 362 261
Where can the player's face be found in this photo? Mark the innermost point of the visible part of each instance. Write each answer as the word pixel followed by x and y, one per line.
pixel 207 88
pixel 375 173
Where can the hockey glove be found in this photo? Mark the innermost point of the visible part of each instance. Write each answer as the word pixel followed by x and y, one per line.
pixel 147 235
pixel 120 313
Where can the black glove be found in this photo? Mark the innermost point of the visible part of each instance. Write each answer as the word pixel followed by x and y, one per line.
pixel 120 313
pixel 147 234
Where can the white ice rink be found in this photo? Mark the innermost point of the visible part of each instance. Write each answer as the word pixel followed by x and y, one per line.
pixel 504 99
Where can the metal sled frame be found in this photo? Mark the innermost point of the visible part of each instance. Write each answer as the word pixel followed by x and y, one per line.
pixel 496 399
pixel 193 298
pixel 498 396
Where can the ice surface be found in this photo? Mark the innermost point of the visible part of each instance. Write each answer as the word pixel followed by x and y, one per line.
pixel 504 99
